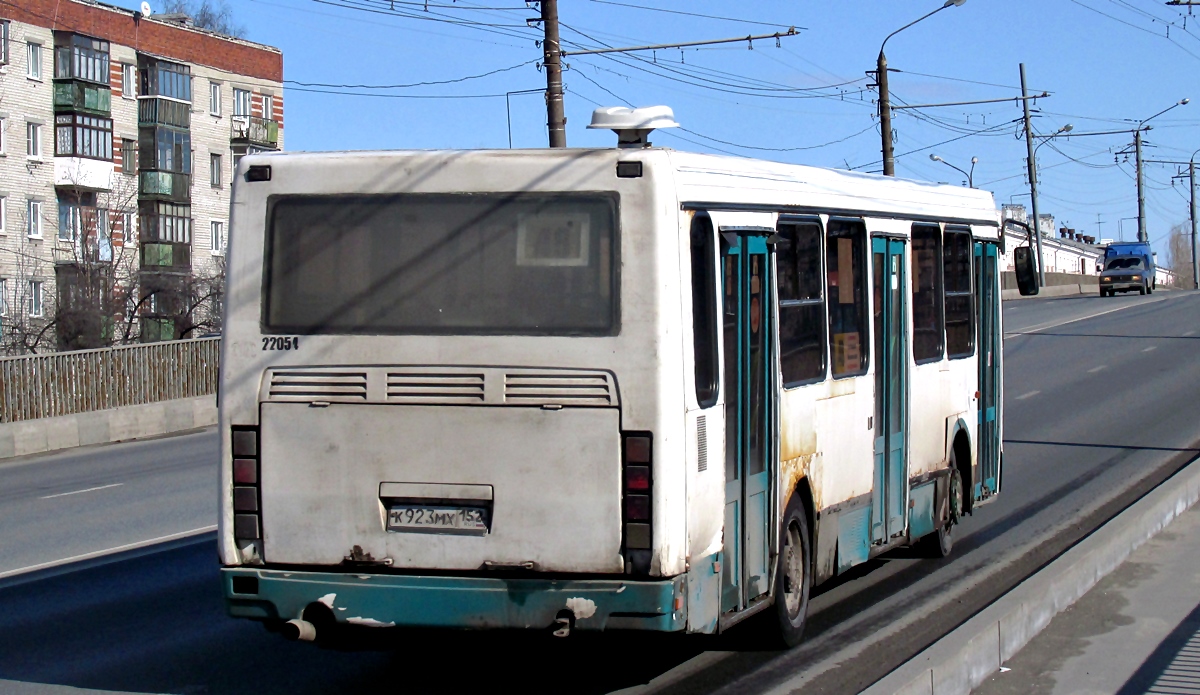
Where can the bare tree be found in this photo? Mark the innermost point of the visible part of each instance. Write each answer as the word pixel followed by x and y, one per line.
pixel 215 15
pixel 1179 254
pixel 28 324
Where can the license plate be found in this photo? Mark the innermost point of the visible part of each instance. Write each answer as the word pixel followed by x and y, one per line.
pixel 421 519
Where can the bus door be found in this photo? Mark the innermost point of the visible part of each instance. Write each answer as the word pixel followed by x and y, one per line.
pixel 747 325
pixel 890 493
pixel 989 368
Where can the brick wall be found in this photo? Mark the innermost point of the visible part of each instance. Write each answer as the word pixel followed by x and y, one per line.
pixel 150 36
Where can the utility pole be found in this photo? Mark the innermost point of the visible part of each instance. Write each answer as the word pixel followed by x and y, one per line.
pixel 556 119
pixel 1137 146
pixel 885 115
pixel 1192 181
pixel 1032 164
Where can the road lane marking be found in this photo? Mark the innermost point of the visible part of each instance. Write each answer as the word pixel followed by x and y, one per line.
pixel 1031 394
pixel 1189 333
pixel 1052 324
pixel 1093 370
pixel 110 551
pixel 1152 347
pixel 79 492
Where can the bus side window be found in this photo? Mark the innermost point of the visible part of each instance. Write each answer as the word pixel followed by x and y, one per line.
pixel 801 303
pixel 960 304
pixel 845 267
pixel 704 309
pixel 928 325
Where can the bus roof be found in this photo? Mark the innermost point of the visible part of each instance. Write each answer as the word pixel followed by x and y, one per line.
pixel 723 182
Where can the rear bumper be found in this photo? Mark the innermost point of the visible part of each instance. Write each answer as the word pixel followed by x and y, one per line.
pixel 1121 286
pixel 457 602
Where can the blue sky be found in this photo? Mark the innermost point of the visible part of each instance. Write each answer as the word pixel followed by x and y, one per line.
pixel 1106 63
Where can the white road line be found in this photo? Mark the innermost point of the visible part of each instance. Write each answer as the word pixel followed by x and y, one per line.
pixel 1031 394
pixel 1152 347
pixel 78 492
pixel 1189 333
pixel 1044 326
pixel 1093 370
pixel 110 551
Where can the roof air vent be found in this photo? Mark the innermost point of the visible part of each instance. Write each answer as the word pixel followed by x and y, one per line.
pixel 632 126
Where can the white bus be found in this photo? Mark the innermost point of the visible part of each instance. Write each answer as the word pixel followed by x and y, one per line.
pixel 593 389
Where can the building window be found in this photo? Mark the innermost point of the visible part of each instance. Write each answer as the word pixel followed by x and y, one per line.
pixel 960 305
pixel 163 79
pixel 5 35
pixel 214 170
pixel 928 326
pixel 3 296
pixel 268 107
pixel 845 268
pixel 214 98
pixel 33 140
pixel 127 229
pixel 801 303
pixel 33 219
pixel 165 222
pixel 33 52
pixel 77 135
pixel 81 58
pixel 3 215
pixel 128 156
pixel 128 80
pixel 165 149
pixel 216 232
pixel 3 135
pixel 68 221
pixel 35 298
pixel 241 102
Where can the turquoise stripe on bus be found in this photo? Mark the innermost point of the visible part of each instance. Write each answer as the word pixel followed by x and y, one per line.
pixel 460 602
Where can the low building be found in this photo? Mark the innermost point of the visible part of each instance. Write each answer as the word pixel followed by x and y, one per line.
pixel 119 134
pixel 1064 251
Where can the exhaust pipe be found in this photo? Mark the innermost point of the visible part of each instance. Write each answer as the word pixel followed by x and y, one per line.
pixel 299 630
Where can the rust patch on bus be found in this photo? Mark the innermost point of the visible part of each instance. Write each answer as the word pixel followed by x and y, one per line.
pixel 792 471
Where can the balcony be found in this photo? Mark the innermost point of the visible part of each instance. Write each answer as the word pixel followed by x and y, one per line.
pixel 255 131
pixel 164 185
pixel 157 111
pixel 73 95
pixel 82 173
pixel 165 258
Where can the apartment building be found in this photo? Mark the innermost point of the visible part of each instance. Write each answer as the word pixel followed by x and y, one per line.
pixel 119 135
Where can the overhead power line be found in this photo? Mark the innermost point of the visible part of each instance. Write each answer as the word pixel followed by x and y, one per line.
pixel 411 84
pixel 693 14
pixel 662 46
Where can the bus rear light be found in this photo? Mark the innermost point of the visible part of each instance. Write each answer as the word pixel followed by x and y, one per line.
pixel 637 477
pixel 637 536
pixel 245 471
pixel 245 527
pixel 245 499
pixel 637 507
pixel 637 450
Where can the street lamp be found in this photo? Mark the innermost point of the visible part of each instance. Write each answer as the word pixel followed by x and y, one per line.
pixel 970 176
pixel 885 106
pixel 1137 146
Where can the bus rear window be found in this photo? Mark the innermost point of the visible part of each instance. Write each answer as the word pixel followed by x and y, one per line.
pixel 442 264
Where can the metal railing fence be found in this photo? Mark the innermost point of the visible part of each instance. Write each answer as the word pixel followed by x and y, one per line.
pixel 65 383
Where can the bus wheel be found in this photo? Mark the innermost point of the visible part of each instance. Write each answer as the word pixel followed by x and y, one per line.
pixel 939 543
pixel 793 579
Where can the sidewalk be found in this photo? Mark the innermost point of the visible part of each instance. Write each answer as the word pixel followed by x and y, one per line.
pixel 1136 631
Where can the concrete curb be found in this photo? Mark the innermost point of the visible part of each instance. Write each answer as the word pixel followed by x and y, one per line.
pixel 104 426
pixel 1053 291
pixel 963 659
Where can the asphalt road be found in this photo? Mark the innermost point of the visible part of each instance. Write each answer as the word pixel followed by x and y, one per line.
pixel 1100 405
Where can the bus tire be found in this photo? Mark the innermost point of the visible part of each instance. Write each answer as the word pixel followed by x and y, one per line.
pixel 940 543
pixel 793 576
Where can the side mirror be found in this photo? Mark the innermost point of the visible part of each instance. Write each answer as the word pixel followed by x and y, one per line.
pixel 1027 282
